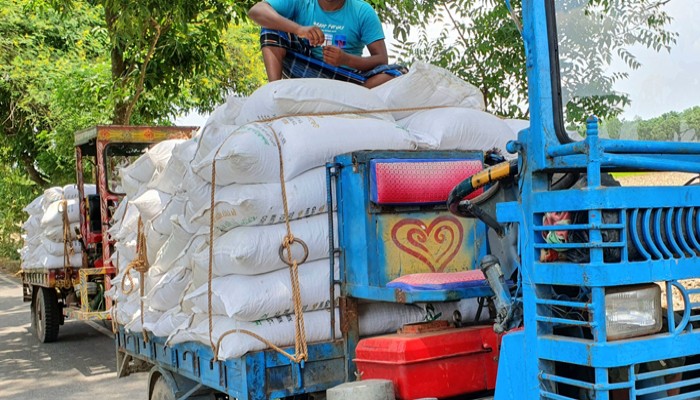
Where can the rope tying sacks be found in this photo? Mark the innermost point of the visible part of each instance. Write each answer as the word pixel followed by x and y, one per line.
pixel 300 345
pixel 68 250
pixel 140 265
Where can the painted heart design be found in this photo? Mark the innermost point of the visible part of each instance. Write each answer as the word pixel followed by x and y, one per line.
pixel 435 244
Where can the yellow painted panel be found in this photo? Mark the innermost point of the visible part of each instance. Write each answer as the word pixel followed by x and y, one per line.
pixel 426 242
pixel 144 135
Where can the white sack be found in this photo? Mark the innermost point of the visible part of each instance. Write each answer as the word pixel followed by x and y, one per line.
pixel 71 191
pixel 427 85
pixel 49 261
pixel 168 322
pixel 145 167
pixel 171 178
pixel 128 225
pixel 126 310
pixel 34 241
pixel 516 125
pixel 118 216
pixel 54 213
pixel 123 287
pixel 141 170
pixel 162 222
pixel 250 155
pixel 154 241
pixel 461 129
pixel 308 96
pixel 261 204
pixel 55 232
pixel 151 203
pixel 57 248
pixel 186 222
pixel 32 224
pixel 133 188
pixel 166 293
pixel 50 196
pixel 127 245
pixel 279 331
pixel 161 152
pixel 220 124
pixel 254 250
pixel 124 254
pixel 379 318
pixel 34 207
pixel 251 298
pixel 31 256
pixel 172 249
pixel 149 317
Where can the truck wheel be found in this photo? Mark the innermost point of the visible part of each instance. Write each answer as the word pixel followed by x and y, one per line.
pixel 47 314
pixel 161 390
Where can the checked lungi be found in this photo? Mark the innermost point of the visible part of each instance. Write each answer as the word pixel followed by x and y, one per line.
pixel 299 63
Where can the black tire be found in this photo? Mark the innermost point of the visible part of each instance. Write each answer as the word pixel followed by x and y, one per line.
pixel 46 314
pixel 33 307
pixel 161 390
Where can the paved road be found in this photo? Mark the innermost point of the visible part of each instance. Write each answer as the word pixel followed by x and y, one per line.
pixel 79 366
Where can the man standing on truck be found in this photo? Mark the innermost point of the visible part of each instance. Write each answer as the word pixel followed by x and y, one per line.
pixel 323 39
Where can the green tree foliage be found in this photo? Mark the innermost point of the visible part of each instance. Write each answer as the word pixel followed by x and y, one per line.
pixel 480 42
pixel 41 54
pixel 57 70
pixel 591 35
pixel 16 192
pixel 57 76
pixel 167 56
pixel 672 126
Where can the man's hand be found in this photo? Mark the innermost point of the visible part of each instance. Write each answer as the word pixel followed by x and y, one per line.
pixel 313 34
pixel 334 56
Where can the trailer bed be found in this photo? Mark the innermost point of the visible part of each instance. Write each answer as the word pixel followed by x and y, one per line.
pixel 259 375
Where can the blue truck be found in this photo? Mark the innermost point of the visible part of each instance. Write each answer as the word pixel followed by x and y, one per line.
pixel 577 307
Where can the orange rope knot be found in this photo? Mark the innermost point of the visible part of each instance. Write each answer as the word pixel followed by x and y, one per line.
pixel 139 265
pixel 130 279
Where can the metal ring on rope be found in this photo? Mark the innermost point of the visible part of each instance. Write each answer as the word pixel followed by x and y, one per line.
pixel 288 246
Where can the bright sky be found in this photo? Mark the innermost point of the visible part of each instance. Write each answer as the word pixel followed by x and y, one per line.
pixel 668 82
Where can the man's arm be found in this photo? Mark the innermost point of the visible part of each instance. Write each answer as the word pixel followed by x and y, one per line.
pixel 266 16
pixel 378 56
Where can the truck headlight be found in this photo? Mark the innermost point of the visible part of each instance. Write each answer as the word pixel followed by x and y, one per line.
pixel 632 311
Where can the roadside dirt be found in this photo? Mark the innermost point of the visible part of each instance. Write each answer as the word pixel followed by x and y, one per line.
pixel 9 267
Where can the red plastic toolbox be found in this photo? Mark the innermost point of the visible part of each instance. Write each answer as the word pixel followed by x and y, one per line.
pixel 439 364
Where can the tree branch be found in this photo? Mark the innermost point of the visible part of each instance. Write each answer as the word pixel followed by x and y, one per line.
pixel 33 174
pixel 142 75
pixel 478 65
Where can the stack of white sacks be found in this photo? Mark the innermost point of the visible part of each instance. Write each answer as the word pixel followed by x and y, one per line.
pixel 44 229
pixel 170 188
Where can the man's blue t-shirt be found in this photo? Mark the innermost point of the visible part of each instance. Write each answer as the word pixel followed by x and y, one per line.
pixel 351 28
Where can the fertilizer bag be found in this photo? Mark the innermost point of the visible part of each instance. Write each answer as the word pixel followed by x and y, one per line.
pixel 461 129
pixel 428 86
pixel 250 154
pixel 252 298
pixel 309 96
pixel 260 204
pixel 254 250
